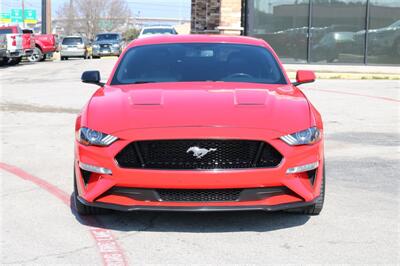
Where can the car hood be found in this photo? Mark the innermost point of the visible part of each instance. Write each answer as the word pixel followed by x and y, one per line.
pixel 281 108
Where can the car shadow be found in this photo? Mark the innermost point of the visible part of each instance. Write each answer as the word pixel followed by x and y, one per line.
pixel 192 222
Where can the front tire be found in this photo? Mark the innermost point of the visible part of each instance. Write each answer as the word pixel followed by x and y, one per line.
pixel 43 58
pixel 81 208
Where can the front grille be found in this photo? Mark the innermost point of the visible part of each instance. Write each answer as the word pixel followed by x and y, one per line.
pixel 198 154
pixel 104 45
pixel 203 195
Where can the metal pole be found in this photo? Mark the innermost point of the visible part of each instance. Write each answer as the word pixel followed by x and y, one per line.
pixel 44 18
pixel 309 31
pixel 23 12
pixel 367 11
pixel 48 16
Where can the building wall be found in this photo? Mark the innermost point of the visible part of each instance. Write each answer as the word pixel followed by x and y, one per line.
pixel 205 16
pixel 216 16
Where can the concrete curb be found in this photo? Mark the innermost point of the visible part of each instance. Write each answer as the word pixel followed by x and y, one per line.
pixel 339 75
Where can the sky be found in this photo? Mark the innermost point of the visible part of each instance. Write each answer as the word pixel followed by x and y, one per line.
pixel 143 8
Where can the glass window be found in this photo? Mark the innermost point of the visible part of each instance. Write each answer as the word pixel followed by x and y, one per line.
pixel 283 24
pixel 191 62
pixel 384 32
pixel 6 31
pixel 72 41
pixel 107 37
pixel 153 31
pixel 338 31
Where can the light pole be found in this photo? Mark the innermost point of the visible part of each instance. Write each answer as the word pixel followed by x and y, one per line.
pixel 23 12
pixel 46 16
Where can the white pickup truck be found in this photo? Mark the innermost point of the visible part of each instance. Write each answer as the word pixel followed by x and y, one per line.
pixel 13 46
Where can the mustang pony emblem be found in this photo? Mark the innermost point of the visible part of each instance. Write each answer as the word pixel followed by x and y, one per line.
pixel 200 152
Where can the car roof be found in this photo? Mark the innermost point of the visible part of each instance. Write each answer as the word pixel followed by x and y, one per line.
pixel 197 38
pixel 158 27
pixel 104 33
pixel 73 36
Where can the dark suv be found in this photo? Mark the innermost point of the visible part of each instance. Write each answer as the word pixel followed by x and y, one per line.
pixel 107 44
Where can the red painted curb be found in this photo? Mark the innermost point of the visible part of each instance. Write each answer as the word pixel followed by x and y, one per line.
pixel 108 247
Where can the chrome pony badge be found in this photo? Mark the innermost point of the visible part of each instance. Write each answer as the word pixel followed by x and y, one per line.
pixel 200 152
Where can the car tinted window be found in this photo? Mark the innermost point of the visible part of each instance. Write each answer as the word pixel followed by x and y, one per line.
pixel 106 37
pixel 158 31
pixel 5 31
pixel 198 62
pixel 72 41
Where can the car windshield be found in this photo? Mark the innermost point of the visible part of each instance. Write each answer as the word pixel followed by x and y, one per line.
pixel 158 31
pixel 106 37
pixel 191 62
pixel 5 31
pixel 72 41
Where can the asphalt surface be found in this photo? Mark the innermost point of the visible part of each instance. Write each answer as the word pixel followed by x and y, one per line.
pixel 359 224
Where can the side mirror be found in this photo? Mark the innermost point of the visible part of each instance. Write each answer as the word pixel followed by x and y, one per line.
pixel 92 77
pixel 304 76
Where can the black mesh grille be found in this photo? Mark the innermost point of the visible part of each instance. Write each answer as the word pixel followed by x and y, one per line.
pixel 199 194
pixel 216 154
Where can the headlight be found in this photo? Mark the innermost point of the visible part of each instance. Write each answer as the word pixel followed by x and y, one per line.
pixel 87 136
pixel 116 45
pixel 305 137
pixel 95 46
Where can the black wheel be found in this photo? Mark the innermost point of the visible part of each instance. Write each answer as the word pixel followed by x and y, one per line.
pixel 81 208
pixel 316 208
pixel 65 58
pixel 14 61
pixel 36 56
pixel 43 58
pixel 3 61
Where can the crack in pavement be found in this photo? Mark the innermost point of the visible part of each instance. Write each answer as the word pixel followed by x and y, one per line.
pixel 49 255
pixel 31 108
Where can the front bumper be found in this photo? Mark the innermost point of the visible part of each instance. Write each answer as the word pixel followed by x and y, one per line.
pixel 73 53
pixel 277 207
pixel 106 51
pixel 15 53
pixel 301 190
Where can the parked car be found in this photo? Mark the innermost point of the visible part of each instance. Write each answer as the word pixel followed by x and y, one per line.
pixel 45 46
pixel 14 47
pixel 3 48
pixel 383 41
pixel 75 46
pixel 157 30
pixel 332 44
pixel 199 123
pixel 28 42
pixel 108 44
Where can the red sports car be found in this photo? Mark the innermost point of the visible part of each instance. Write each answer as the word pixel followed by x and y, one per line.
pixel 199 123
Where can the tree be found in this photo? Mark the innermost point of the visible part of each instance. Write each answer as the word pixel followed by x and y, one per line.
pixel 93 16
pixel 131 34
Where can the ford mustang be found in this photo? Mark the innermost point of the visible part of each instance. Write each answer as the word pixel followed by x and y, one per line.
pixel 199 123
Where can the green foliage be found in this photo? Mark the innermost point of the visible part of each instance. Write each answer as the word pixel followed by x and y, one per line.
pixel 131 34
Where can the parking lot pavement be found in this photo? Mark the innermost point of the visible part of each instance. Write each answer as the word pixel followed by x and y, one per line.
pixel 359 224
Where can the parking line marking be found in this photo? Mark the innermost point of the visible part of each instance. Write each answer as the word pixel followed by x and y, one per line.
pixel 108 247
pixel 359 94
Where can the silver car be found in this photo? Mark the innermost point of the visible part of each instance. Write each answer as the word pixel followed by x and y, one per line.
pixel 74 46
pixel 108 44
